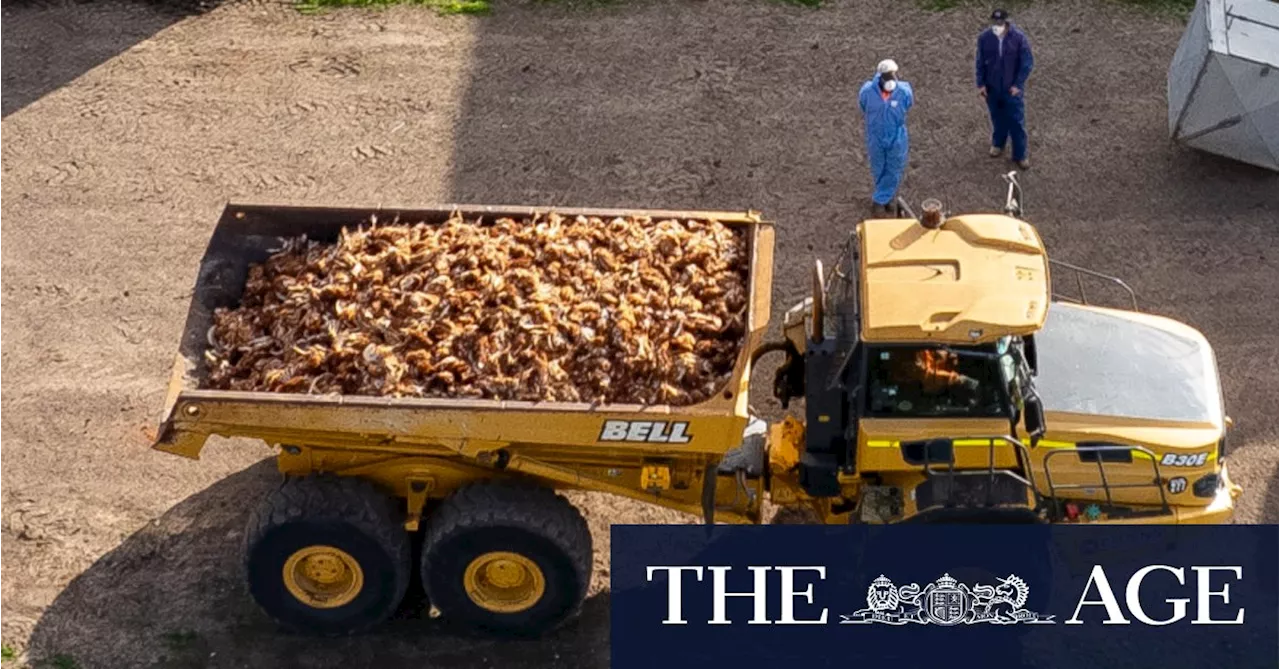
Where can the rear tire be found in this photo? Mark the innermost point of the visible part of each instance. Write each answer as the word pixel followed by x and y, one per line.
pixel 506 558
pixel 327 555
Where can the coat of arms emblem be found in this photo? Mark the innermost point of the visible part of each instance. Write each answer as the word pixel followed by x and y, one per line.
pixel 946 602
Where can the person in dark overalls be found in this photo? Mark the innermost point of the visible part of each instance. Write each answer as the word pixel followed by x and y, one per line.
pixel 1003 62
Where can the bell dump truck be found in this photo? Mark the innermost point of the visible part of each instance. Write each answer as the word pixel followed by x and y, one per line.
pixel 936 376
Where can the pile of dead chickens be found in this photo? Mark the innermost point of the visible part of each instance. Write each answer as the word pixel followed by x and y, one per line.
pixel 627 310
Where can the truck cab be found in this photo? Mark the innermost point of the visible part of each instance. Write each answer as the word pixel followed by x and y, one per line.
pixel 944 380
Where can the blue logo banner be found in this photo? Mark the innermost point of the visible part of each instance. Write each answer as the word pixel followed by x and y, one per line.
pixel 939 596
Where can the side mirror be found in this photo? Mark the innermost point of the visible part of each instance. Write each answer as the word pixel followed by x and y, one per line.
pixel 1010 388
pixel 1033 417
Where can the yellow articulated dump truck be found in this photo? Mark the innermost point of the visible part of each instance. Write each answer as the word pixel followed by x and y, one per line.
pixel 941 381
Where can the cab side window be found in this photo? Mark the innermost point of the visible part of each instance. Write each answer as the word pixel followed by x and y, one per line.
pixel 931 382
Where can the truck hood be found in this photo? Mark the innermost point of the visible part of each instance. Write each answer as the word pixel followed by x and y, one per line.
pixel 1135 367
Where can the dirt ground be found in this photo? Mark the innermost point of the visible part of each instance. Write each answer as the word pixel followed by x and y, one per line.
pixel 128 126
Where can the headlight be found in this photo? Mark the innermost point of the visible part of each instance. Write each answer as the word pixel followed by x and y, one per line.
pixel 1206 486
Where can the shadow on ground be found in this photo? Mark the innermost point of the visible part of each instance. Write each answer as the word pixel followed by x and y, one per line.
pixel 48 43
pixel 172 596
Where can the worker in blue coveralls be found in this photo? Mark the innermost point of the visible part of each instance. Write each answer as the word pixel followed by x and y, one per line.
pixel 1003 62
pixel 884 101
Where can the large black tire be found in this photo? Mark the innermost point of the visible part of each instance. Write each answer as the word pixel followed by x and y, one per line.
pixel 319 514
pixel 484 520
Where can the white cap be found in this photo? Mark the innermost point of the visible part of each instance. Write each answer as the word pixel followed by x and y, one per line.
pixel 886 66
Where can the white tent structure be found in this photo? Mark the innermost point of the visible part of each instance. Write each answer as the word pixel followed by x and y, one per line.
pixel 1223 81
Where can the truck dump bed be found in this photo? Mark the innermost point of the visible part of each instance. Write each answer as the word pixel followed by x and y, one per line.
pixel 248 234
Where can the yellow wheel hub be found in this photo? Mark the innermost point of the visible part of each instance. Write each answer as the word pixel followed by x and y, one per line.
pixel 323 577
pixel 504 582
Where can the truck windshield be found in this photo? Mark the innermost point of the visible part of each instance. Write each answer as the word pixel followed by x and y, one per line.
pixel 935 381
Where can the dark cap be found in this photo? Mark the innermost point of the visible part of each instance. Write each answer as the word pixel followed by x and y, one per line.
pixel 1000 15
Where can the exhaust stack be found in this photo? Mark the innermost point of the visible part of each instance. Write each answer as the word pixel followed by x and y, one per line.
pixel 931 214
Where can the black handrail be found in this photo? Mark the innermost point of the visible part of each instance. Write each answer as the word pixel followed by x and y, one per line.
pixel 1157 481
pixel 1027 475
pixel 1081 272
pixel 1020 452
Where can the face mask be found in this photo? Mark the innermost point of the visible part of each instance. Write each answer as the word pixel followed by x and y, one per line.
pixel 998 30
pixel 890 85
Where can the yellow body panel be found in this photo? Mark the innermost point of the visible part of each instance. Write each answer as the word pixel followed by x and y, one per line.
pixel 879 440
pixel 975 279
pixel 1170 447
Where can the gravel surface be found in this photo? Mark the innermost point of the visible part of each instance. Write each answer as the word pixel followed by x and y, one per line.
pixel 123 144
